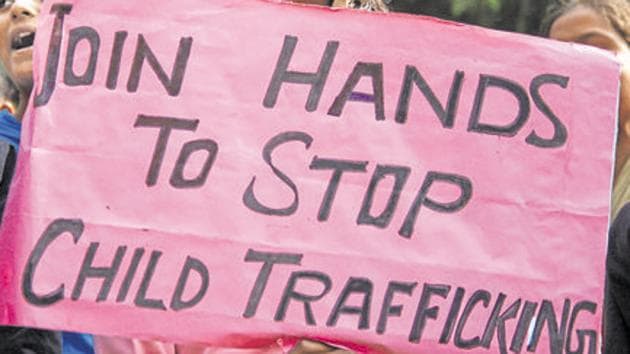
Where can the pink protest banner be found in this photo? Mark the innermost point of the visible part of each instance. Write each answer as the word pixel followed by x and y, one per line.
pixel 239 173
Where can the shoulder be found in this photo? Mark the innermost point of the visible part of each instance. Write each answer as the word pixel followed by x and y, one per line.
pixel 622 221
pixel 619 240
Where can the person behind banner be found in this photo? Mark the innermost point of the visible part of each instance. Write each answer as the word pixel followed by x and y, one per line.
pixel 606 24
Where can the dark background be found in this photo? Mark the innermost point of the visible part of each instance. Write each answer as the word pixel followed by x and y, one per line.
pixel 510 15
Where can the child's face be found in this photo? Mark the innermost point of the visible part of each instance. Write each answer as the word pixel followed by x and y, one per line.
pixel 18 20
pixel 584 25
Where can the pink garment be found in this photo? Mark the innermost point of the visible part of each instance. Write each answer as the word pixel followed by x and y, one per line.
pixel 114 345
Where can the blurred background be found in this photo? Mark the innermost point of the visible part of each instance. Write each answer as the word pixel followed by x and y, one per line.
pixel 509 15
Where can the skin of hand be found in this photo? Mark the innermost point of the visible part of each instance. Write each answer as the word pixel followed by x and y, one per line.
pixel 310 347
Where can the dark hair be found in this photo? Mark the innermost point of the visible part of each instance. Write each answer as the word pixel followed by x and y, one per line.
pixel 617 12
pixel 370 5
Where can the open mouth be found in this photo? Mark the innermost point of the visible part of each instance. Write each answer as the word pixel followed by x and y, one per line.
pixel 23 40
